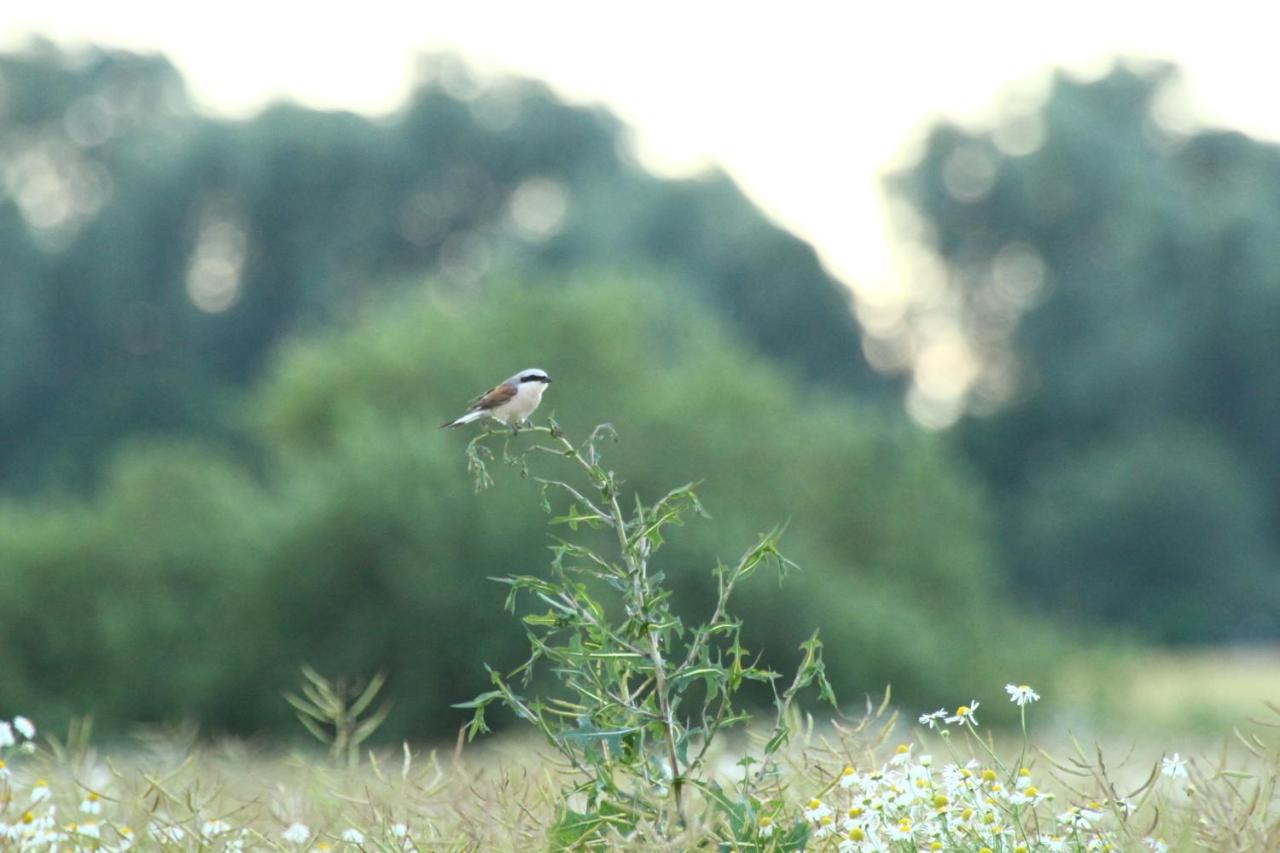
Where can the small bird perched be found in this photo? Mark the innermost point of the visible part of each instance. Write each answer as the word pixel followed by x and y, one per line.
pixel 511 401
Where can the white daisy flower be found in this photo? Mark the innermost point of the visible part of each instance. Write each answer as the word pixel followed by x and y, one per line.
pixel 964 714
pixel 210 828
pixel 91 804
pixel 170 834
pixel 816 810
pixel 353 836
pixel 297 833
pixel 1021 694
pixel 931 720
pixel 1174 768
pixel 40 791
pixel 6 735
pixel 24 727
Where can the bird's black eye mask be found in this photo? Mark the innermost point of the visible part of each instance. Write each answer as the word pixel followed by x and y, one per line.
pixel 533 377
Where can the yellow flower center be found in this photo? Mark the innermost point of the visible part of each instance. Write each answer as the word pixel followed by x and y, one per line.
pixel 856 834
pixel 765 820
pixel 813 804
pixel 28 817
pixel 855 811
pixel 848 770
pixel 988 775
pixel 940 801
pixel 962 711
pixel 1023 771
pixel 935 845
pixel 1031 791
pixel 92 797
pixel 826 820
pixel 966 814
pixel 903 749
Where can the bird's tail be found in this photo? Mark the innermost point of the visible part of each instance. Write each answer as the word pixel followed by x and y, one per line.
pixel 465 419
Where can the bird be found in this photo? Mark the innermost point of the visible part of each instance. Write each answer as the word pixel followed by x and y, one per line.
pixel 511 401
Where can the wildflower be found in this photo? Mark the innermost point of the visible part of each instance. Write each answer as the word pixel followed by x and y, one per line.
pixel 170 834
pixel 1157 845
pixel 931 720
pixel 765 828
pixel 901 830
pixel 1078 818
pixel 24 727
pixel 6 735
pixel 297 833
pixel 4 770
pixel 964 714
pixel 1174 768
pixel 826 826
pixel 1021 694
pixel 901 755
pixel 88 830
pixel 91 804
pixel 353 836
pixel 1030 795
pixel 210 828
pixel 848 776
pixel 40 791
pixel 399 830
pixel 815 810
pixel 853 841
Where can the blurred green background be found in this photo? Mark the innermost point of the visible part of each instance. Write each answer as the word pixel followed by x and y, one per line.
pixel 225 346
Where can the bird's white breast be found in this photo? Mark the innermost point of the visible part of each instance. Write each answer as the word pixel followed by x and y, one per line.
pixel 528 396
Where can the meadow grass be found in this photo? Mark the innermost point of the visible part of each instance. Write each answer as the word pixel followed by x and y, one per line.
pixel 874 782
pixel 641 743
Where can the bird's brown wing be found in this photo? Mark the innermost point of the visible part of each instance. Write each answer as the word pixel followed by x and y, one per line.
pixel 496 396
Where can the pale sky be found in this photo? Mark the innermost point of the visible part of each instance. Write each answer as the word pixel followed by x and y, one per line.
pixel 804 104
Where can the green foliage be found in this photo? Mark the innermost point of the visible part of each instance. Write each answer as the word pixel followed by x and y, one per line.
pixel 629 673
pixel 1117 281
pixel 358 544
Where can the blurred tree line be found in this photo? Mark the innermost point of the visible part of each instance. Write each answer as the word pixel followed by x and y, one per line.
pixel 153 256
pixel 1117 273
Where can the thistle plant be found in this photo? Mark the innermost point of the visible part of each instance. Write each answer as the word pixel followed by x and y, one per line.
pixel 638 697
